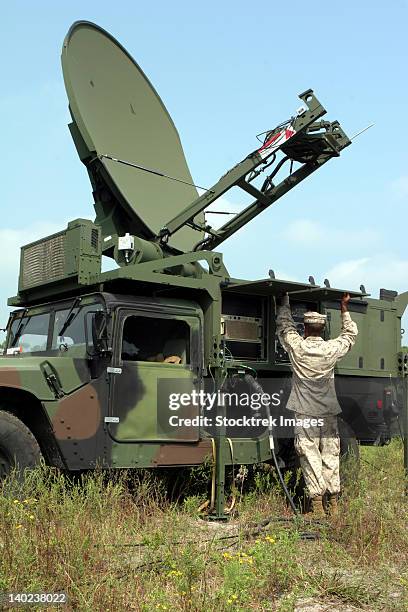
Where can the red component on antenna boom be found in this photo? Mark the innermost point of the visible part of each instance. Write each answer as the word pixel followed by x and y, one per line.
pixel 276 141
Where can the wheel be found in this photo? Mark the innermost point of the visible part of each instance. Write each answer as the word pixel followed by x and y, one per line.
pixel 18 447
pixel 349 454
pixel 348 442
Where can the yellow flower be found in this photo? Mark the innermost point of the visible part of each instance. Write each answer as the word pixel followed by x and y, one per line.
pixel 18 526
pixel 234 596
pixel 31 516
pixel 183 593
pixel 244 558
pixel 26 501
pixel 16 501
pixel 229 601
pixel 269 539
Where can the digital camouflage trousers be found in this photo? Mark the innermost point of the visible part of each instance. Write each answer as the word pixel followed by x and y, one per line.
pixel 319 453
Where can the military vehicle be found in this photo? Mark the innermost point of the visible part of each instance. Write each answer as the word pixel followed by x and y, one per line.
pixel 89 353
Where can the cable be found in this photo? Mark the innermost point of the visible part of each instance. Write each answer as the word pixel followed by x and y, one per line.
pixel 251 380
pixel 150 171
pixel 201 243
pixel 212 378
pixel 255 173
pixel 374 466
pixel 252 530
pixel 267 182
pixel 283 483
pixel 259 389
pixel 219 212
pixel 279 126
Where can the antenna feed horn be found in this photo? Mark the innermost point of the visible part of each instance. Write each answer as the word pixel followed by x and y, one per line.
pixel 133 250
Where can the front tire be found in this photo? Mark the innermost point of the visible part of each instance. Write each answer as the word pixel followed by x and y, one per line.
pixel 19 450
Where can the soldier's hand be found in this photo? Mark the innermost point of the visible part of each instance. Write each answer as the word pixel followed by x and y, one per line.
pixel 344 302
pixel 285 300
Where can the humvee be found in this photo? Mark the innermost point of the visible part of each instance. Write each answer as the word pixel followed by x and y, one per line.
pixel 91 355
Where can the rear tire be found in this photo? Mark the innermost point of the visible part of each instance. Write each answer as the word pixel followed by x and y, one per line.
pixel 349 454
pixel 349 446
pixel 19 449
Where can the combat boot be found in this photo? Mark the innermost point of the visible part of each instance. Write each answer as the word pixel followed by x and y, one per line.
pixel 316 508
pixel 332 504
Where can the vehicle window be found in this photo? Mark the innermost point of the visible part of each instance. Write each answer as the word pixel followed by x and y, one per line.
pixel 30 333
pixel 75 332
pixel 157 340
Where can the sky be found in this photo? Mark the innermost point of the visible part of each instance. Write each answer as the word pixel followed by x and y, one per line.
pixel 226 71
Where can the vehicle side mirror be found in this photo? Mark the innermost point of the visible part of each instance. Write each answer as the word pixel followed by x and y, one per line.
pixel 96 333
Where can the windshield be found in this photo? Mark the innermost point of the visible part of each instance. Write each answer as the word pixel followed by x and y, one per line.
pixel 72 324
pixel 29 333
pixel 62 329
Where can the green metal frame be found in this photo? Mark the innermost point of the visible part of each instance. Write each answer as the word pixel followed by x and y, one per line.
pixel 331 141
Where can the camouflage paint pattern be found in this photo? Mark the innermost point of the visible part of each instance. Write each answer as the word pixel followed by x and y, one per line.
pixel 318 449
pixel 89 394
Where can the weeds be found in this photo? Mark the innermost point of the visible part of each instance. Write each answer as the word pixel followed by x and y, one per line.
pixel 122 543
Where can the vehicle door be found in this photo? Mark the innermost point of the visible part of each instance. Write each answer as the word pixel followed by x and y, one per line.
pixel 156 357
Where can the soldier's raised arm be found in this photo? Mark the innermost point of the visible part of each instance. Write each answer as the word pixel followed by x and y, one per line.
pixel 286 330
pixel 345 341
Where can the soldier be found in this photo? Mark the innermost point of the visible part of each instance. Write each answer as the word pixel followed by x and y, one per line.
pixel 313 395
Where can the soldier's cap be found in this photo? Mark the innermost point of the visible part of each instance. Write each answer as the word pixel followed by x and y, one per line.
pixel 315 317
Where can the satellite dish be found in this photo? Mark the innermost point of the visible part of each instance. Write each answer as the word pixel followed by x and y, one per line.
pixel 118 113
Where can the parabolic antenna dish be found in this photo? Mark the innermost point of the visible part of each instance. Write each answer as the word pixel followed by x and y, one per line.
pixel 118 113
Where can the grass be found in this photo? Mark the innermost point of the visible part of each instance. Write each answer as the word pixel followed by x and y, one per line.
pixel 112 546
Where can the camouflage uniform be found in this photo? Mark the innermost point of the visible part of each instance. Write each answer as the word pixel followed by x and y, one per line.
pixel 319 451
pixel 313 395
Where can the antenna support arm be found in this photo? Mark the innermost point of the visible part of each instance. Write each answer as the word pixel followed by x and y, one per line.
pixel 275 139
